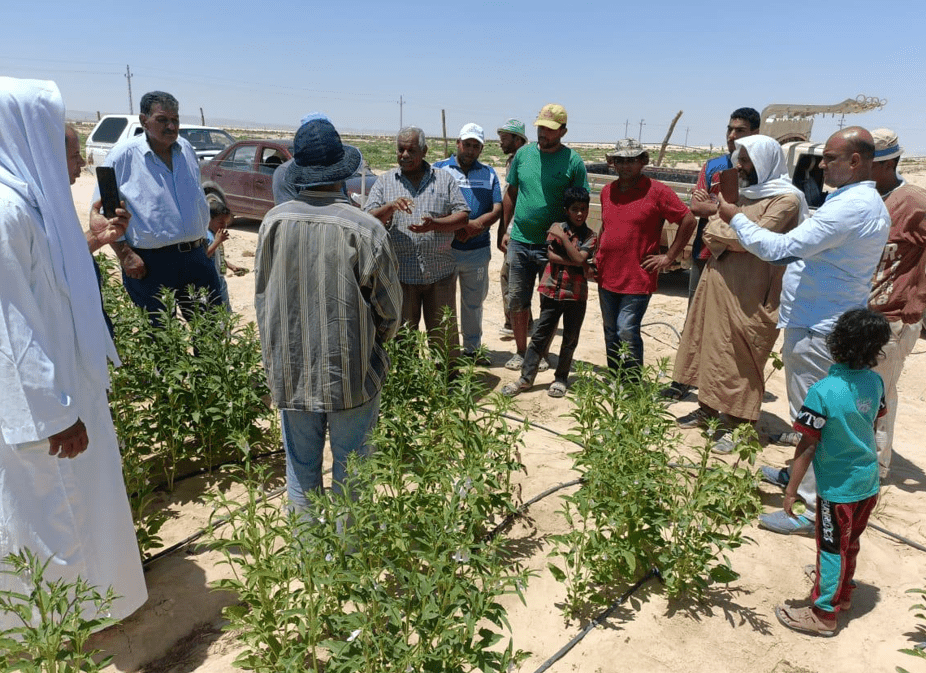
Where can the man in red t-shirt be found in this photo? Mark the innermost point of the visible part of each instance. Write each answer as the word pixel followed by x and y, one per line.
pixel 633 210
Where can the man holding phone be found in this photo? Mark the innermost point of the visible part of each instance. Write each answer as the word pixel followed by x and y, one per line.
pixel 158 177
pixel 732 322
pixel 103 230
pixel 744 122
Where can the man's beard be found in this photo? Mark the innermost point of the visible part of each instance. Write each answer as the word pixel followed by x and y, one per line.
pixel 750 180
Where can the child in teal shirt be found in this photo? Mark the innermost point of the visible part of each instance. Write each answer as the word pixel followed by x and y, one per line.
pixel 836 423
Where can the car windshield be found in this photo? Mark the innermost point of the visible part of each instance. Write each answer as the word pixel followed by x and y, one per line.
pixel 207 139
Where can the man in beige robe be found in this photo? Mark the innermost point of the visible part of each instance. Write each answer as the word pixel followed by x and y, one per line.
pixel 731 326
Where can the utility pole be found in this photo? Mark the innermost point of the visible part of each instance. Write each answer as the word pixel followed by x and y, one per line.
pixel 640 136
pixel 626 127
pixel 128 76
pixel 443 122
pixel 202 117
pixel 401 104
pixel 687 129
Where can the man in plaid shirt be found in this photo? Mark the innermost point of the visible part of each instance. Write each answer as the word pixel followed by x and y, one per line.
pixel 422 208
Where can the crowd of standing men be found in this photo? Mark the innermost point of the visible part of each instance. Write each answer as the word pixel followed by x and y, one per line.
pixel 333 283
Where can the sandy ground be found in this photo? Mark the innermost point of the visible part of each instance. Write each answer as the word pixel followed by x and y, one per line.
pixel 733 629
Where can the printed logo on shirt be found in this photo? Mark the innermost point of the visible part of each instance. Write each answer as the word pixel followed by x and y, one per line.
pixel 864 405
pixel 810 419
pixel 477 183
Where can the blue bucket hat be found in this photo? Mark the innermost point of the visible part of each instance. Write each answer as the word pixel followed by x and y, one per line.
pixel 319 156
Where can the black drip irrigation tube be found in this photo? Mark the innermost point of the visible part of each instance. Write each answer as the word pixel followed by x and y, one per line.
pixel 900 538
pixel 227 463
pixel 198 534
pixel 653 572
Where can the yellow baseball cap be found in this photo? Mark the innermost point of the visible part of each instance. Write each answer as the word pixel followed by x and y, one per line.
pixel 552 116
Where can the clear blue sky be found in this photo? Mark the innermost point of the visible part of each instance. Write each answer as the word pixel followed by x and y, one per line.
pixel 606 62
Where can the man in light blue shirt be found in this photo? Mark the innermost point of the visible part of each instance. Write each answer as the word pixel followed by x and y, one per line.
pixel 158 177
pixel 831 257
pixel 471 246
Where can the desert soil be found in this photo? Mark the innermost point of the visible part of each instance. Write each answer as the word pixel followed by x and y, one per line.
pixel 732 629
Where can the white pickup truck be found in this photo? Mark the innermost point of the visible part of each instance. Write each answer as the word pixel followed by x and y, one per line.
pixel 207 141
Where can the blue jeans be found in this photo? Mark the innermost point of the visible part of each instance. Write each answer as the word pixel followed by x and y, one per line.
pixel 621 315
pixel 304 441
pixel 525 264
pixel 473 272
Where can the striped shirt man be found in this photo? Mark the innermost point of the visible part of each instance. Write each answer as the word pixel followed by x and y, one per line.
pixel 327 297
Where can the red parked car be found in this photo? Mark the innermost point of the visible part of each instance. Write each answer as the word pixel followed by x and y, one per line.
pixel 242 176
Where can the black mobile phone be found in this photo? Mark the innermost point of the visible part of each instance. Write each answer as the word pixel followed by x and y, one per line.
pixel 109 190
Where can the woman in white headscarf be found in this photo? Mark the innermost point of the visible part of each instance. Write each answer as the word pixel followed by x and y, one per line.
pixel 62 494
pixel 732 323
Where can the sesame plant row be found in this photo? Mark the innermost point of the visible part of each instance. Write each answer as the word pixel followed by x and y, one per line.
pixel 404 576
pixel 189 394
pixel 919 633
pixel 53 632
pixel 644 502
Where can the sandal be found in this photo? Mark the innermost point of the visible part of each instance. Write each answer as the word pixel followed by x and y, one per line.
pixel 805 620
pixel 844 606
pixel 675 391
pixel 557 389
pixel 515 387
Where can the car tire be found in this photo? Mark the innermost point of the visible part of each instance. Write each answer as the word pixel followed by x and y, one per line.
pixel 217 195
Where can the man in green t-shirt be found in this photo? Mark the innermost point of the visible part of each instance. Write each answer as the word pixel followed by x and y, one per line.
pixel 539 174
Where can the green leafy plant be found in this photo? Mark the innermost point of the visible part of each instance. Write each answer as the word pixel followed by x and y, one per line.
pixel 53 631
pixel 920 650
pixel 401 576
pixel 189 394
pixel 777 364
pixel 642 503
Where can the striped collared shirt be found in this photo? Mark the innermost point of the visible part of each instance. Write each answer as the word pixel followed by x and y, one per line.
pixel 327 297
pixel 423 258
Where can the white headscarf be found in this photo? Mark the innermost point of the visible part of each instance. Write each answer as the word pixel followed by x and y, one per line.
pixel 33 163
pixel 771 168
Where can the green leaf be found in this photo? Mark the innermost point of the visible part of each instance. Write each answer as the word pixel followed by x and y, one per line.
pixel 557 573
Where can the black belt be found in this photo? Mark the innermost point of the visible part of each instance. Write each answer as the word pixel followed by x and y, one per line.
pixel 186 246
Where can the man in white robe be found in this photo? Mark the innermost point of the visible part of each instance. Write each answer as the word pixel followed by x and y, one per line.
pixel 62 494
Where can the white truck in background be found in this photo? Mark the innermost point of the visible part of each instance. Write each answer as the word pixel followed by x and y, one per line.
pixel 206 140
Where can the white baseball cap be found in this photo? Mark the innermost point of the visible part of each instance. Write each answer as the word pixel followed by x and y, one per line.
pixel 473 131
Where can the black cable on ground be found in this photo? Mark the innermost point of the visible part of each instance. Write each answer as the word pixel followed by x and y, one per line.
pixel 901 538
pixel 238 461
pixel 653 572
pixel 523 508
pixel 512 417
pixel 664 324
pixel 195 536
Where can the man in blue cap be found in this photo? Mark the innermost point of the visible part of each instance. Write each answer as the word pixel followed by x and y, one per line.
pixel 327 298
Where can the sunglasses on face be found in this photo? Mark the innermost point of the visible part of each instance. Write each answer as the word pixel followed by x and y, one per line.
pixel 622 160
